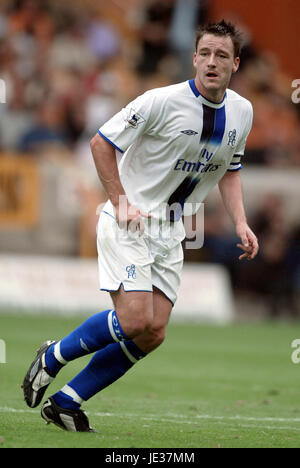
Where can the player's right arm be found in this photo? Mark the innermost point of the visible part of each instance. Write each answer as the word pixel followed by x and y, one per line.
pixel 106 164
pixel 119 133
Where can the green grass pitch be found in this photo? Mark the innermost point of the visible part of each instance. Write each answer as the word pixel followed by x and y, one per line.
pixel 206 386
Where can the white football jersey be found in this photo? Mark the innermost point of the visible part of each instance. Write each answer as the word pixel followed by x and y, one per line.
pixel 177 145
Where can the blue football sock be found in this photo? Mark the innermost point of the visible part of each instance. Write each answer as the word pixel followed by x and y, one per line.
pixel 52 362
pixel 64 400
pixel 95 333
pixel 106 366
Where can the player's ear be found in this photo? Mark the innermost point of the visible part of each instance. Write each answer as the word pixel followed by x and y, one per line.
pixel 195 59
pixel 236 64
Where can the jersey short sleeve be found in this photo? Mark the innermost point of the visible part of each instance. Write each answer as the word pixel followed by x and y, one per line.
pixel 235 163
pixel 130 123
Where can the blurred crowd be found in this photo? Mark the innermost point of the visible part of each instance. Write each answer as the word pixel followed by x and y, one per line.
pixel 67 69
pixel 69 66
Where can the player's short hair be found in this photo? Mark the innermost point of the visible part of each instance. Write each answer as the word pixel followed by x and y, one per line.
pixel 222 28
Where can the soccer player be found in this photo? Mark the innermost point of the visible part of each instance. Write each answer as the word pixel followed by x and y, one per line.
pixel 178 142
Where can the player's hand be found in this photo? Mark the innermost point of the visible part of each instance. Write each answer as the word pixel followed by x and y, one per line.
pixel 131 218
pixel 249 242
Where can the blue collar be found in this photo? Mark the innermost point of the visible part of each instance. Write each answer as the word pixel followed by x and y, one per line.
pixel 197 93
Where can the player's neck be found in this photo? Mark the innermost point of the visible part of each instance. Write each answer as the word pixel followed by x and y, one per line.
pixel 215 96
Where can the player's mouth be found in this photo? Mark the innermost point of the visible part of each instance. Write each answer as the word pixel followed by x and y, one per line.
pixel 212 75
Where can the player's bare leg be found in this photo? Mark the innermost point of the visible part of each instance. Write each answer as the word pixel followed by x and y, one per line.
pixel 146 312
pixel 155 335
pixel 134 310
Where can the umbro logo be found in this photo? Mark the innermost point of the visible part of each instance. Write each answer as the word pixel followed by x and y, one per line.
pixel 84 346
pixel 189 132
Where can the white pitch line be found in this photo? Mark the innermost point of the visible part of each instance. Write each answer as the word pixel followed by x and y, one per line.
pixel 5 409
pixel 238 417
pixel 208 416
pixel 280 428
pixel 220 420
pixel 182 419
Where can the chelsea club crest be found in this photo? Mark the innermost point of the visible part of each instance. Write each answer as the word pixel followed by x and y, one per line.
pixel 232 137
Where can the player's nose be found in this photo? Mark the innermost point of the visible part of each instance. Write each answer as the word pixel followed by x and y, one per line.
pixel 212 61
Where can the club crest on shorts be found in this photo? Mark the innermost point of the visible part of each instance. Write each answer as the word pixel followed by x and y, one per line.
pixel 133 119
pixel 131 271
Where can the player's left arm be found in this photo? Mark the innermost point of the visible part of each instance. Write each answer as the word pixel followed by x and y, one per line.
pixel 232 195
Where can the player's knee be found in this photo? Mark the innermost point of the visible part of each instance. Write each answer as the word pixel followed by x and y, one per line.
pixel 138 320
pixel 156 337
pixel 138 326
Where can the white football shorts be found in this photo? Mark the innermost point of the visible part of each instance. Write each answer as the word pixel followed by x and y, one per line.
pixel 138 263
